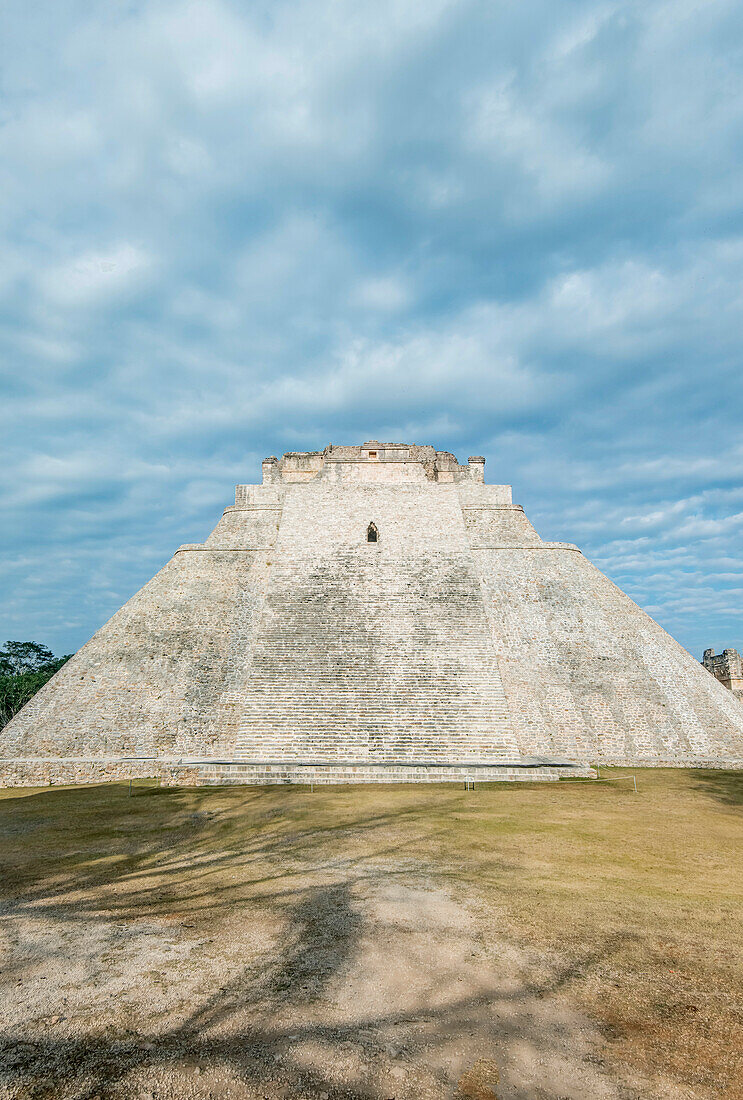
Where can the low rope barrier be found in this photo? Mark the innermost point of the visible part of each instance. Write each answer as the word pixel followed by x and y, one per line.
pixel 614 779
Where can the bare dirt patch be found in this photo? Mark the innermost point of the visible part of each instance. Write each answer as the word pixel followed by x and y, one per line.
pixel 372 985
pixel 365 944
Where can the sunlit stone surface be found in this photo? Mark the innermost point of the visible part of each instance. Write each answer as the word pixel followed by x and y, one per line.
pixel 372 613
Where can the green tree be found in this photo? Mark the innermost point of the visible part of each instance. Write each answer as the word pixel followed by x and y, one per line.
pixel 24 668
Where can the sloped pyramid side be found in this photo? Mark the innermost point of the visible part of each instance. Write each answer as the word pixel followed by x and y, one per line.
pixel 589 675
pixel 146 682
pixel 460 635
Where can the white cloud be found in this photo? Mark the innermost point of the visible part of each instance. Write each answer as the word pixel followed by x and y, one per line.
pixel 385 292
pixel 97 277
pixel 509 229
pixel 554 163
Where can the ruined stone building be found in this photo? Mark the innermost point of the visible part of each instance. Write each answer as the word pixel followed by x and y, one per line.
pixel 373 613
pixel 727 667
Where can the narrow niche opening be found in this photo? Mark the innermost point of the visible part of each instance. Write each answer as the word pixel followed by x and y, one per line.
pixel 372 534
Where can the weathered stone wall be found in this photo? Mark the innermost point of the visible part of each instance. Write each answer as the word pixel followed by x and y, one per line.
pixel 458 637
pixel 362 649
pixel 253 526
pixel 727 667
pixel 47 771
pixel 588 675
pixel 144 684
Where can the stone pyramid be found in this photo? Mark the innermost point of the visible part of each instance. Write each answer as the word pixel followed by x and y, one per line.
pixel 373 613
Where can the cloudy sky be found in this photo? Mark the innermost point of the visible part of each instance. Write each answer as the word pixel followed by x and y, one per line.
pixel 232 229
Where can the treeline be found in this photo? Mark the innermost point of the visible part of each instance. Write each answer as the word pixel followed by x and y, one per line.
pixel 24 668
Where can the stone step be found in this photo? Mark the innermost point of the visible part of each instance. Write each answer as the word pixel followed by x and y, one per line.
pixel 360 656
pixel 236 772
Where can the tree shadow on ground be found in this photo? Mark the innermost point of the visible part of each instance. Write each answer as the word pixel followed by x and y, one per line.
pixel 165 848
pixel 725 786
pixel 196 852
pixel 321 939
pixel 242 1029
pixel 78 858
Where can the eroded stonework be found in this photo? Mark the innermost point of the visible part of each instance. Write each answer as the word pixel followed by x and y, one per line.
pixel 373 607
pixel 727 667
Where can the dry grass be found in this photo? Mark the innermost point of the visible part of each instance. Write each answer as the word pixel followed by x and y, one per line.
pixel 628 905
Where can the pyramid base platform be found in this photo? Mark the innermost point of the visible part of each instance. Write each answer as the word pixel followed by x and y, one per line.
pixel 236 772
pixel 192 772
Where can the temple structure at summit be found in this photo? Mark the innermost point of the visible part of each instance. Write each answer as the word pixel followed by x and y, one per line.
pixel 373 613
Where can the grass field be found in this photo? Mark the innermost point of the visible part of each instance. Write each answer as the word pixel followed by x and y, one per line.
pixel 572 939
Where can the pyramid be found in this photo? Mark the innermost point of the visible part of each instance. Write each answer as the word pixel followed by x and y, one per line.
pixel 373 613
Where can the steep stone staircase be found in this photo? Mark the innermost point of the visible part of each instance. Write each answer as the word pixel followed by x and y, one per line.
pixel 366 657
